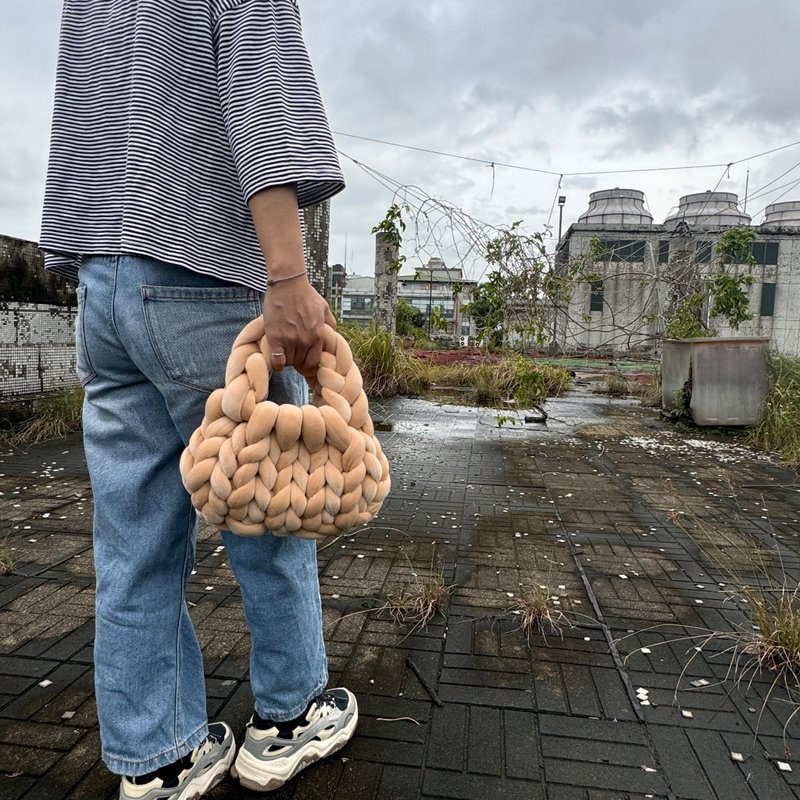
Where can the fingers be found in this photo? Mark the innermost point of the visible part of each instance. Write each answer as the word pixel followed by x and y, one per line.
pixel 278 358
pixel 311 360
pixel 329 319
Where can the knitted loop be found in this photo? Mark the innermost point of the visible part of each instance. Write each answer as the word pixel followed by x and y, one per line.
pixel 255 467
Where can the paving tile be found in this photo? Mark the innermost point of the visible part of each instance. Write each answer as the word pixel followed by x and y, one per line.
pixel 460 786
pixel 518 718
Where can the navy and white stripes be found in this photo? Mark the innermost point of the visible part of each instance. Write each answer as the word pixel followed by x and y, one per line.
pixel 168 116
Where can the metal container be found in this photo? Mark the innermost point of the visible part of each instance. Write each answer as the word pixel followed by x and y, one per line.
pixel 724 380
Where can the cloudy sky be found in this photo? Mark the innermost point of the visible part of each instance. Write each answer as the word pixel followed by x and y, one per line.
pixel 565 86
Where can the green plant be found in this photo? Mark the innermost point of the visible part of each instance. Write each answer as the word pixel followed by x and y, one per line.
pixel 649 393
pixel 778 430
pixel 392 227
pixel 685 323
pixel 723 292
pixel 505 419
pixel 6 565
pixel 378 357
pixel 730 299
pixel 410 320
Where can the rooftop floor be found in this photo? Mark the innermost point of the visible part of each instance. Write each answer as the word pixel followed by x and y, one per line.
pixel 595 507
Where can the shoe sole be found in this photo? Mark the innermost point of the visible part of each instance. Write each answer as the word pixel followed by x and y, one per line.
pixel 203 783
pixel 249 771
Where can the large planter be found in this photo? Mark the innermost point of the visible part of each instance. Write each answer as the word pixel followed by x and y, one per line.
pixel 720 381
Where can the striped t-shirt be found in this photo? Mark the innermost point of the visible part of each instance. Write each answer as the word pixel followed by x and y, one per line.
pixel 169 115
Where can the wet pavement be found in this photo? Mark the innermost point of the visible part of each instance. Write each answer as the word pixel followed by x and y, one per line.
pixel 620 519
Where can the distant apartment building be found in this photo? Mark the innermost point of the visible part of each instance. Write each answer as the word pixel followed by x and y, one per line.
pixel 358 299
pixel 430 288
pixel 317 236
pixel 622 308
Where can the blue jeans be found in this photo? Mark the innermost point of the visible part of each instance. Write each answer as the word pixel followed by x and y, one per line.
pixel 152 342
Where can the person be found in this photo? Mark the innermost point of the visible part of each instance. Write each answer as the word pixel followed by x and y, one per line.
pixel 186 137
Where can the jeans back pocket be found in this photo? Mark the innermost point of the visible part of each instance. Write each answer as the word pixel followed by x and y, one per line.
pixel 192 328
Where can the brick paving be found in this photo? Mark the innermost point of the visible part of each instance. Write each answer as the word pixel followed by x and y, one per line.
pixel 593 507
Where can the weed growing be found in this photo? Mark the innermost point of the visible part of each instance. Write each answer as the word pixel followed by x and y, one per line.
pixel 538 613
pixel 779 428
pixel 768 640
pixel 53 416
pixel 419 601
pixel 615 385
pixel 388 370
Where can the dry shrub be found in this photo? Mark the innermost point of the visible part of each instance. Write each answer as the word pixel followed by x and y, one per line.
pixel 51 417
pixel 419 601
pixel 538 614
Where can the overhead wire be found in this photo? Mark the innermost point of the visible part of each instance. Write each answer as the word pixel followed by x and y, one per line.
pixel 567 173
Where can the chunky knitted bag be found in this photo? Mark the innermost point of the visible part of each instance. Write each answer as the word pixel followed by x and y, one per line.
pixel 256 467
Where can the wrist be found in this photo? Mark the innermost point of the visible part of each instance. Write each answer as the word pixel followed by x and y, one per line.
pixel 281 277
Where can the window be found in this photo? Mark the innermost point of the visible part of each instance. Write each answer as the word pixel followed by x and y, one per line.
pixel 765 253
pixel 663 251
pixel 703 252
pixel 622 249
pixel 596 297
pixel 767 299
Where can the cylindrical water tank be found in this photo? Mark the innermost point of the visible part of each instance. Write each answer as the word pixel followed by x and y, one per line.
pixel 616 207
pixel 786 215
pixel 708 210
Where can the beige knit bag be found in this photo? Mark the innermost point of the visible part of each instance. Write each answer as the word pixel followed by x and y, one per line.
pixel 255 467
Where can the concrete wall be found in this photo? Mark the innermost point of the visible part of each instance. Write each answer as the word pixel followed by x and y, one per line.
pixel 37 349
pixel 37 323
pixel 636 295
pixel 630 297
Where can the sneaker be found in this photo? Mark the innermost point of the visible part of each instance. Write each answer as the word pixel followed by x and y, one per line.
pixel 192 776
pixel 274 752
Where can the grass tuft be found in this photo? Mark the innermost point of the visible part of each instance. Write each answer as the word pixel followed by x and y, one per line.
pixel 614 385
pixel 779 428
pixel 538 614
pixel 421 600
pixel 53 416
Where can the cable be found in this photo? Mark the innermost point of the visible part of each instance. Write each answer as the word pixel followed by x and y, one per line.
pixel 553 204
pixel 448 155
pixel 541 171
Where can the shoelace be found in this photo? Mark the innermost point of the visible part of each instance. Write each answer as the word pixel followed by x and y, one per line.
pixel 326 704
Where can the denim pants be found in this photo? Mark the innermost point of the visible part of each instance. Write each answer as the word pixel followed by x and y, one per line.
pixel 152 342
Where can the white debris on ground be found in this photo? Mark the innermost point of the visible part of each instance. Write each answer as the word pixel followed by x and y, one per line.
pixel 724 452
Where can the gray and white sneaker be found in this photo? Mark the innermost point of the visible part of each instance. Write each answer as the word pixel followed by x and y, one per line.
pixel 274 752
pixel 192 776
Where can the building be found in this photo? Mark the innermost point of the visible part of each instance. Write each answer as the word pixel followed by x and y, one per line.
pixel 358 299
pixel 634 266
pixel 436 287
pixel 317 220
pixel 430 288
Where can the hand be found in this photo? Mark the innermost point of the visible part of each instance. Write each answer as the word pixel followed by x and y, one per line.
pixel 295 315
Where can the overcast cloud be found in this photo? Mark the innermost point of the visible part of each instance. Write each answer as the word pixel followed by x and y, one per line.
pixel 567 86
